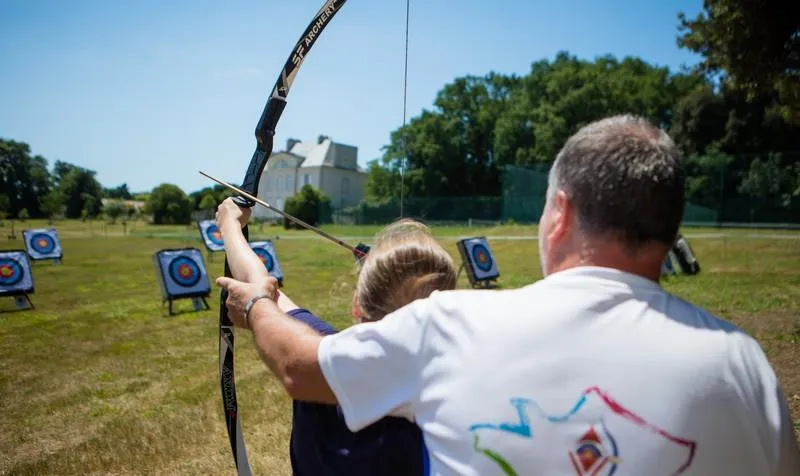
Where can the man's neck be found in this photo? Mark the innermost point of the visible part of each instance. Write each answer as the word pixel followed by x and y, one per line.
pixel 645 263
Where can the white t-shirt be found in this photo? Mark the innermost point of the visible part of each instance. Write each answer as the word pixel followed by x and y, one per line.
pixel 589 371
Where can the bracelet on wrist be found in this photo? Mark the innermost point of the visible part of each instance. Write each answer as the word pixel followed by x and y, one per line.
pixel 249 306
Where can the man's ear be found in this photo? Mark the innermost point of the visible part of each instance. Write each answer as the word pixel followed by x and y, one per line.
pixel 562 219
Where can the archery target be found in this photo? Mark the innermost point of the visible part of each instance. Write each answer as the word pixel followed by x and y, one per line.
pixel 42 243
pixel 478 255
pixel 182 273
pixel 266 252
pixel 211 235
pixel 15 273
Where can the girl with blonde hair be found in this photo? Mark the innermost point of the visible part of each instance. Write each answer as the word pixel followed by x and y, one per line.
pixel 405 263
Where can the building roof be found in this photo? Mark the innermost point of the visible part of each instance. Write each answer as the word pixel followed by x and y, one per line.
pixel 302 148
pixel 315 155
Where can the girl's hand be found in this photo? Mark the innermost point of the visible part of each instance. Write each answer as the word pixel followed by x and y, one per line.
pixel 229 211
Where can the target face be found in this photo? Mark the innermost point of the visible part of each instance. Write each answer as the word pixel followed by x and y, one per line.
pixel 211 235
pixel 11 272
pixel 482 258
pixel 15 274
pixel 42 244
pixel 479 259
pixel 182 273
pixel 265 258
pixel 266 253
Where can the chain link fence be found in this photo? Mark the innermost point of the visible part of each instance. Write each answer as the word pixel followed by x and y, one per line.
pixel 719 194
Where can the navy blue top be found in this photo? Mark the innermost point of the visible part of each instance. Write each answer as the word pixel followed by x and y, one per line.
pixel 322 445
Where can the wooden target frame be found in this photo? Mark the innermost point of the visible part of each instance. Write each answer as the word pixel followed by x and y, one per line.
pixel 16 277
pixel 478 261
pixel 181 274
pixel 43 244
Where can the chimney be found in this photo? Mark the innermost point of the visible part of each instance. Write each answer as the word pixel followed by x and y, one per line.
pixel 321 138
pixel 290 143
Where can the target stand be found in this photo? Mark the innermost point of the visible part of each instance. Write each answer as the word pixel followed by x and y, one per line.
pixel 43 244
pixel 211 236
pixel 478 262
pixel 265 251
pixel 667 266
pixel 182 274
pixel 16 278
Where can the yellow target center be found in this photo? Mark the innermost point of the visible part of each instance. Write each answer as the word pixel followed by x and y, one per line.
pixel 185 271
pixel 5 271
pixel 42 243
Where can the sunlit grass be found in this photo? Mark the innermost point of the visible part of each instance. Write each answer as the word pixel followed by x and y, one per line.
pixel 98 379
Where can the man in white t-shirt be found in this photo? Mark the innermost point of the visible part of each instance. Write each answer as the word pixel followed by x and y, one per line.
pixel 593 370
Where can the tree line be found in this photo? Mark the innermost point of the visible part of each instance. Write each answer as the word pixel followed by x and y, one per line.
pixel 735 116
pixel 29 188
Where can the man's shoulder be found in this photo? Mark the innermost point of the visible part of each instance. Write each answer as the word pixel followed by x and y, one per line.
pixel 455 295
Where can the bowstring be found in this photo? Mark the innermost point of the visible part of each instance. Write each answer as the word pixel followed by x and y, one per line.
pixel 405 95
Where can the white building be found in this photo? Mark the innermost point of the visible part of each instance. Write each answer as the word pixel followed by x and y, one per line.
pixel 328 166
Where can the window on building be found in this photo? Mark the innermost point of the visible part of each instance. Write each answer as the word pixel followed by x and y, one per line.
pixel 345 186
pixel 306 179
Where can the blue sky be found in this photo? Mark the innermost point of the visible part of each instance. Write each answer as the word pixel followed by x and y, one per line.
pixel 146 91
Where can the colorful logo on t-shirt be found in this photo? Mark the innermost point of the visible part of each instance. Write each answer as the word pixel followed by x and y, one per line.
pixel 608 437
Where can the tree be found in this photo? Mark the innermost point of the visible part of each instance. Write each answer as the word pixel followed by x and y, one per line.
pixel 770 178
pixel 753 44
pixel 23 179
pixel 481 124
pixel 113 210
pixel 53 204
pixel 208 204
pixel 169 205
pixel 4 206
pixel 218 192
pixel 310 205
pixel 81 191
pixel 119 192
pixel 88 206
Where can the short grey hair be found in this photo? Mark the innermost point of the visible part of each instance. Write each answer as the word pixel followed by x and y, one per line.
pixel 625 179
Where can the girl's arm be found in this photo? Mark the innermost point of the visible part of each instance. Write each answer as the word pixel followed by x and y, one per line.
pixel 285 303
pixel 244 263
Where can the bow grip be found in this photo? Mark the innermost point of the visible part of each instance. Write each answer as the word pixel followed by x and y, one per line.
pixel 243 202
pixel 265 128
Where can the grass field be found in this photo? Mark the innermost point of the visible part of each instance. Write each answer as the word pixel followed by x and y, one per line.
pixel 98 379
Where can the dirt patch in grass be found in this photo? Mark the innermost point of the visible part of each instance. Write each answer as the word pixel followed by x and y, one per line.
pixel 778 332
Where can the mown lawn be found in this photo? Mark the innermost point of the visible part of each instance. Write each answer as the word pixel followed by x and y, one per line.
pixel 98 379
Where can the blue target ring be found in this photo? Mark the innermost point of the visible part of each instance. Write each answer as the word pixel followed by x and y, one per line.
pixel 184 271
pixel 42 243
pixel 11 272
pixel 482 258
pixel 214 236
pixel 266 258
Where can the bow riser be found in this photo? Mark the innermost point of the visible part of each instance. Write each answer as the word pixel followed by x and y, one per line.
pixel 264 132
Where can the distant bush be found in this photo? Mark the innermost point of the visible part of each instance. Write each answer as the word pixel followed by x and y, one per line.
pixel 310 205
